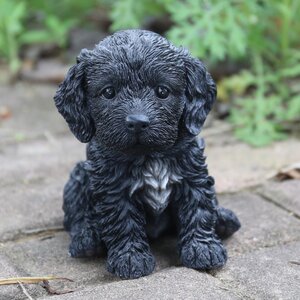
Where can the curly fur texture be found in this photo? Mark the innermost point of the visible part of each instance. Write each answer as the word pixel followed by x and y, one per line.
pixel 136 185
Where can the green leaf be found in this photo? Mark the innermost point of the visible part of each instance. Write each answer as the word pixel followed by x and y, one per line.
pixel 293 110
pixel 291 71
pixel 35 36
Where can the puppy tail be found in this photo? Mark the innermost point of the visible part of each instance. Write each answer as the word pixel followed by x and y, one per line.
pixel 227 222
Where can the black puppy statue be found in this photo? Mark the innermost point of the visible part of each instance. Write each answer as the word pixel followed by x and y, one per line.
pixel 140 102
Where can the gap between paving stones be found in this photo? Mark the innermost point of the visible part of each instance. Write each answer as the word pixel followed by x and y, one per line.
pixel 270 200
pixel 255 190
pixel 35 233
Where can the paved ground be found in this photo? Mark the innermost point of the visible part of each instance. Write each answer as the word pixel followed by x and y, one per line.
pixel 36 155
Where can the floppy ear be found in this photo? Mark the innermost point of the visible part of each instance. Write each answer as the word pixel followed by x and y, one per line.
pixel 71 102
pixel 201 93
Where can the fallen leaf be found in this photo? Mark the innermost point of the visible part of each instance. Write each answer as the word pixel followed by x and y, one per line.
pixel 5 112
pixel 290 172
pixel 51 291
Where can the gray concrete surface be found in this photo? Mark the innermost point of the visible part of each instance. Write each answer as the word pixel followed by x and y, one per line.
pixel 285 194
pixel 14 292
pixel 171 283
pixel 269 273
pixel 36 155
pixel 264 224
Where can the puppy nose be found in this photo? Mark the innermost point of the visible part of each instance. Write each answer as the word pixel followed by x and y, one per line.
pixel 137 123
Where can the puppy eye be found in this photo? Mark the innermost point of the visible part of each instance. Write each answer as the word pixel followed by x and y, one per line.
pixel 109 92
pixel 162 92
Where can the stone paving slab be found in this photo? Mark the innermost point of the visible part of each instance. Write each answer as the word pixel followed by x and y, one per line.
pixel 173 283
pixel 285 194
pixel 39 160
pixel 32 183
pixel 48 255
pixel 33 112
pixel 266 274
pixel 30 207
pixel 14 292
pixel 46 71
pixel 236 166
pixel 263 224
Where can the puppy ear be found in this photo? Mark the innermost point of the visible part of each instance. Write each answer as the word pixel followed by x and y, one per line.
pixel 71 102
pixel 201 93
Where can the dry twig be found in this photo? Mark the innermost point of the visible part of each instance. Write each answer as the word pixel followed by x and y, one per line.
pixel 25 291
pixel 18 280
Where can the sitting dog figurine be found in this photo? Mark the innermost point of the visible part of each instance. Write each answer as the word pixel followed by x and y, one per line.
pixel 140 102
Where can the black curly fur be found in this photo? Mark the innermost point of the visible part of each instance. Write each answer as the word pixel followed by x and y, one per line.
pixel 133 187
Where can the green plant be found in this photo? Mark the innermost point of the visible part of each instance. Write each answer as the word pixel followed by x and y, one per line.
pixel 64 9
pixel 131 13
pixel 265 34
pixel 213 29
pixel 53 30
pixel 28 22
pixel 260 116
pixel 11 27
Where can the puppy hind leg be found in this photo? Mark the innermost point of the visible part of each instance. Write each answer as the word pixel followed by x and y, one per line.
pixel 227 222
pixel 79 217
pixel 85 238
pixel 76 195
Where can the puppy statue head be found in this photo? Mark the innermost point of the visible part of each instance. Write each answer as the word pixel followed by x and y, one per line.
pixel 135 90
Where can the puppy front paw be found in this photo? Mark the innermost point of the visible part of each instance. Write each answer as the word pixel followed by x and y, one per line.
pixel 131 264
pixel 202 255
pixel 84 245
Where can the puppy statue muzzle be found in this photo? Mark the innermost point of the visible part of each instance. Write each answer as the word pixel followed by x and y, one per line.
pixel 140 103
pixel 137 123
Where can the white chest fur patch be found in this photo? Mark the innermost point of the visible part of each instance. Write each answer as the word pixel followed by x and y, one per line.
pixel 156 179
